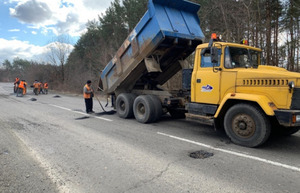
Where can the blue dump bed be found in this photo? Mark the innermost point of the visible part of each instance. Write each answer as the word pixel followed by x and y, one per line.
pixel 168 33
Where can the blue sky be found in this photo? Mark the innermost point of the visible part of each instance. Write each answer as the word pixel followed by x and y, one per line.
pixel 27 27
pixel 11 28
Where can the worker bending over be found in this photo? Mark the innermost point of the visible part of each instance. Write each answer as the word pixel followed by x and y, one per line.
pixel 22 88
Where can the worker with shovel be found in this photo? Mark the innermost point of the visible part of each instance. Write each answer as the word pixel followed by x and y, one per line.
pixel 88 94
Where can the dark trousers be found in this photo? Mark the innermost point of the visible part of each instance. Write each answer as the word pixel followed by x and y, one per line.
pixel 89 105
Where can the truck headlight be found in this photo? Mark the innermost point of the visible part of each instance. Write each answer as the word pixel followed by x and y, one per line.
pixel 297 118
pixel 291 85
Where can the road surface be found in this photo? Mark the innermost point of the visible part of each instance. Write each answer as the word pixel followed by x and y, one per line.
pixel 48 144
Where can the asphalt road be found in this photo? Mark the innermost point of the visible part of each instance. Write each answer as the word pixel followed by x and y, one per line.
pixel 51 145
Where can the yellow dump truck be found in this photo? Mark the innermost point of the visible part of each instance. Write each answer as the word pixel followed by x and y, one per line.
pixel 238 93
pixel 228 86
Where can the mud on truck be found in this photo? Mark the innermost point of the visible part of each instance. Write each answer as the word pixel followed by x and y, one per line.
pixel 227 87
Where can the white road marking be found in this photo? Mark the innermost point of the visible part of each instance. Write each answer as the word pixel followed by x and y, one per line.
pixel 105 119
pixel 63 185
pixel 294 168
pixel 60 107
pixel 54 172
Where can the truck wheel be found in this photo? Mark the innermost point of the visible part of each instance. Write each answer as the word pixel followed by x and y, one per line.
pixel 247 125
pixel 157 108
pixel 124 105
pixel 143 109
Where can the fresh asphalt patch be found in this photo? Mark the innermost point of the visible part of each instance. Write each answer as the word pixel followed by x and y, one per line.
pixel 201 154
pixel 81 118
pixel 105 113
pixel 56 96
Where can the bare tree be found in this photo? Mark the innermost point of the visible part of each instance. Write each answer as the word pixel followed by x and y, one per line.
pixel 59 50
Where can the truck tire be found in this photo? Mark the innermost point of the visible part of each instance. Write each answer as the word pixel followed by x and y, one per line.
pixel 124 105
pixel 247 125
pixel 157 108
pixel 143 109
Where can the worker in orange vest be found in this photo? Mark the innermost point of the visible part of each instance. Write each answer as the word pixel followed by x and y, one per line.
pixel 36 87
pixel 88 94
pixel 46 87
pixel 21 88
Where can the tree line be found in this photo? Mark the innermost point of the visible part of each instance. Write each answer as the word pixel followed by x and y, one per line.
pixel 272 25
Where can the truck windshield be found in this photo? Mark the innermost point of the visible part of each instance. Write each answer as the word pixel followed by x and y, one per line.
pixel 241 58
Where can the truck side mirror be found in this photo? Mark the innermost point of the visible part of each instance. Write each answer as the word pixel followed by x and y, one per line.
pixel 214 55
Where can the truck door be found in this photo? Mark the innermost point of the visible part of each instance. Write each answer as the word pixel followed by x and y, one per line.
pixel 206 79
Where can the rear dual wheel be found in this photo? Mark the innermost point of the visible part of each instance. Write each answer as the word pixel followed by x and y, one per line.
pixel 147 108
pixel 124 105
pixel 157 108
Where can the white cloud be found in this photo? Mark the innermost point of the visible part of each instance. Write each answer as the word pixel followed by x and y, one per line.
pixel 67 17
pixel 10 49
pixel 58 16
pixel 33 11
pixel 14 30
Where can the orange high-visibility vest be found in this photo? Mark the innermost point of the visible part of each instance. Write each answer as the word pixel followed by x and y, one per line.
pixel 21 85
pixel 36 85
pixel 46 85
pixel 87 95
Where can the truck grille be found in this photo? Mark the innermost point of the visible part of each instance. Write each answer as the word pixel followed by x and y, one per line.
pixel 265 82
pixel 296 99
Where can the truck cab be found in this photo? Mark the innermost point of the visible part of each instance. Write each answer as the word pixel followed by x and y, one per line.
pixel 230 88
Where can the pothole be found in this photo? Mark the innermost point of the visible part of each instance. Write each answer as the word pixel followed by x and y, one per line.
pixel 200 154
pixel 56 96
pixel 80 118
pixel 106 113
pixel 5 152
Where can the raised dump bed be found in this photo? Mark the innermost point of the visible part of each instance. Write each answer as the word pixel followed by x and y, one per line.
pixel 168 33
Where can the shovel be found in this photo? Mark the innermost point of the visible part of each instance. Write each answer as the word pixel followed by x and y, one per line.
pixel 104 111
